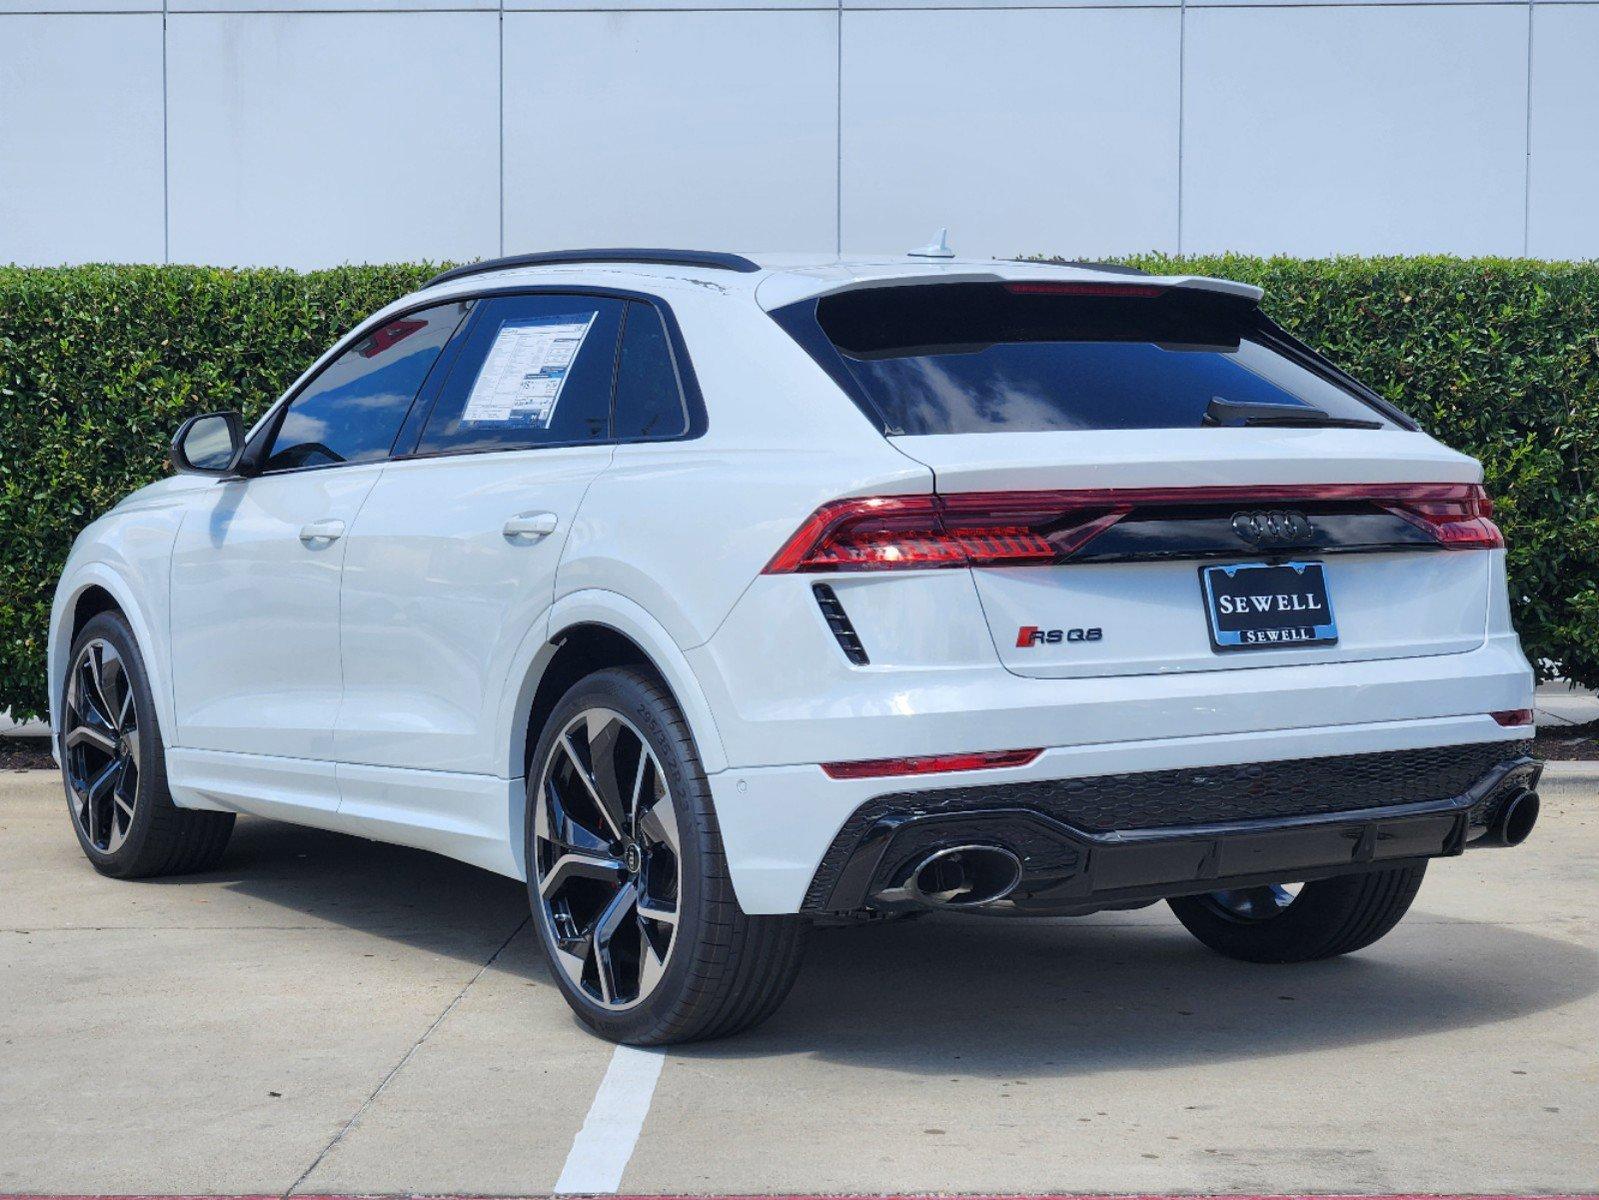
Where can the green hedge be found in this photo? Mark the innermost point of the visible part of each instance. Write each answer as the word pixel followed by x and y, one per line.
pixel 99 364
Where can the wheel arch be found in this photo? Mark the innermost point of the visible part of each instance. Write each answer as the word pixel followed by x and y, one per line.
pixel 585 632
pixel 96 588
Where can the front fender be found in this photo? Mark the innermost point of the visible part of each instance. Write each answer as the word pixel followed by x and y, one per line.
pixel 113 579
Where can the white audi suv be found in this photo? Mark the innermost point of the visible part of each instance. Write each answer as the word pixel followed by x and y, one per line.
pixel 717 598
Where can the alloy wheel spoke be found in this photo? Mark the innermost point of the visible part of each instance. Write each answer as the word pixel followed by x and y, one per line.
pixel 651 909
pixel 97 786
pixel 101 659
pixel 652 965
pixel 98 815
pixel 558 827
pixel 117 831
pixel 610 920
pixel 580 866
pixel 88 687
pixel 573 955
pixel 607 738
pixel 659 823
pixel 611 817
pixel 645 762
pixel 90 735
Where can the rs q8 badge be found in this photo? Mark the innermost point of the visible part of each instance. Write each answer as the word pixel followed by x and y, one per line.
pixel 1031 635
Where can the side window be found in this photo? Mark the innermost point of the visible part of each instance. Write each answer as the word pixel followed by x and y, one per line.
pixel 352 411
pixel 534 371
pixel 649 398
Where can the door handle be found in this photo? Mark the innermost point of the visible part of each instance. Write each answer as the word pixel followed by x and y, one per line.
pixel 330 530
pixel 531 525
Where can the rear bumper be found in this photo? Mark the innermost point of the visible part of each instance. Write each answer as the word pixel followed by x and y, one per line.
pixel 1124 839
pixel 781 825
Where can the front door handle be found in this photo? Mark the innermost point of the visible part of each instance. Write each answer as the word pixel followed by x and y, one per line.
pixel 327 531
pixel 531 525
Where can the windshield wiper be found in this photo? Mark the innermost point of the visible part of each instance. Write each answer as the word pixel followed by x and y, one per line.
pixel 1238 414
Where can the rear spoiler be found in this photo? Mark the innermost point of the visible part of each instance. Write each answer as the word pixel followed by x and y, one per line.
pixel 782 288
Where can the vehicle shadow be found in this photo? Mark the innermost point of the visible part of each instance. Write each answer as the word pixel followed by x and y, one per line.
pixel 985 996
pixel 979 996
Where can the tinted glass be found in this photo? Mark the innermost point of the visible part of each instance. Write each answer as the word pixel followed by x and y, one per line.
pixel 353 409
pixel 970 358
pixel 534 371
pixel 649 399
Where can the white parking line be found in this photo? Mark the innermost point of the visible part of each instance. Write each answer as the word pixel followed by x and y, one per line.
pixel 601 1149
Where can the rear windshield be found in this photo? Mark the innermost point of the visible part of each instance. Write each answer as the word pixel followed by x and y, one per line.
pixel 971 358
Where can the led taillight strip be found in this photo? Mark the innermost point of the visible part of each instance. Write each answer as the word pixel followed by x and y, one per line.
pixel 983 529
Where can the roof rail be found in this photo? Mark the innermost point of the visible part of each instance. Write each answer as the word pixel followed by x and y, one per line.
pixel 714 259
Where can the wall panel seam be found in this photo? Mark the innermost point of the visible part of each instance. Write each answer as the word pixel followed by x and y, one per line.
pixel 1526 162
pixel 166 148
pixel 1182 114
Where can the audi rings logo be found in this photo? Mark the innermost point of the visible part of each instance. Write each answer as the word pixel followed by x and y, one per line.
pixel 1277 527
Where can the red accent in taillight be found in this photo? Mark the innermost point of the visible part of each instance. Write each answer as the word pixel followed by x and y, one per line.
pixel 1046 287
pixel 1511 717
pixel 981 760
pixel 1457 515
pixel 994 529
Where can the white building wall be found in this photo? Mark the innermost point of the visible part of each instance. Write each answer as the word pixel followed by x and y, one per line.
pixel 322 131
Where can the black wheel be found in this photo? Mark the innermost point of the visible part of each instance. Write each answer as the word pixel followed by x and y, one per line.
pixel 628 880
pixel 114 767
pixel 1280 923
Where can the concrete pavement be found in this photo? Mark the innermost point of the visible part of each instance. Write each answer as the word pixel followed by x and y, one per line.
pixel 326 1014
pixel 1559 704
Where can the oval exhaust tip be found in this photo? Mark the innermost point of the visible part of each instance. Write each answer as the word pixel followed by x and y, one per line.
pixel 1518 818
pixel 965 876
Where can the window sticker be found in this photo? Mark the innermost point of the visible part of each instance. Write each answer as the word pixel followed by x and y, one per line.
pixel 520 381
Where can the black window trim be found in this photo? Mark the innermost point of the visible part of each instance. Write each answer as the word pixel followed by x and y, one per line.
pixel 417 417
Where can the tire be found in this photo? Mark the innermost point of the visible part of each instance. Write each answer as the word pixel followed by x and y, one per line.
pixel 682 962
pixel 1326 918
pixel 113 765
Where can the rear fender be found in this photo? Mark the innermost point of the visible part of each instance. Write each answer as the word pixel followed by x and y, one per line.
pixel 533 656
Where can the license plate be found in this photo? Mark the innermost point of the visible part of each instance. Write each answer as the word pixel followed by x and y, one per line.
pixel 1261 606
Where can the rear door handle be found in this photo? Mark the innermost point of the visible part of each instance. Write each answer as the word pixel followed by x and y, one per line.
pixel 531 525
pixel 330 530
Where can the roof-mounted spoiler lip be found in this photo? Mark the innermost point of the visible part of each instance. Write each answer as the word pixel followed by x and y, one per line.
pixel 782 288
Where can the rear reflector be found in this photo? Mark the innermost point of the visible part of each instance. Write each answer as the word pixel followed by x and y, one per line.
pixel 1511 717
pixel 872 768
pixel 997 529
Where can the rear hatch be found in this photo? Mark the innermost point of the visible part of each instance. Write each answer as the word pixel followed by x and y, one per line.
pixel 1147 479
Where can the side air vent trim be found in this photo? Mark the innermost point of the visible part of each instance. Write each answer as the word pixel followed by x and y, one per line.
pixel 838 621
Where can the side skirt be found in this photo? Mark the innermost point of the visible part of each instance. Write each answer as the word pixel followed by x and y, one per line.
pixel 465 817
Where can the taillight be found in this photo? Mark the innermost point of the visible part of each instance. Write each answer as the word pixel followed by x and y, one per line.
pixel 932 764
pixel 996 529
pixel 1456 514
